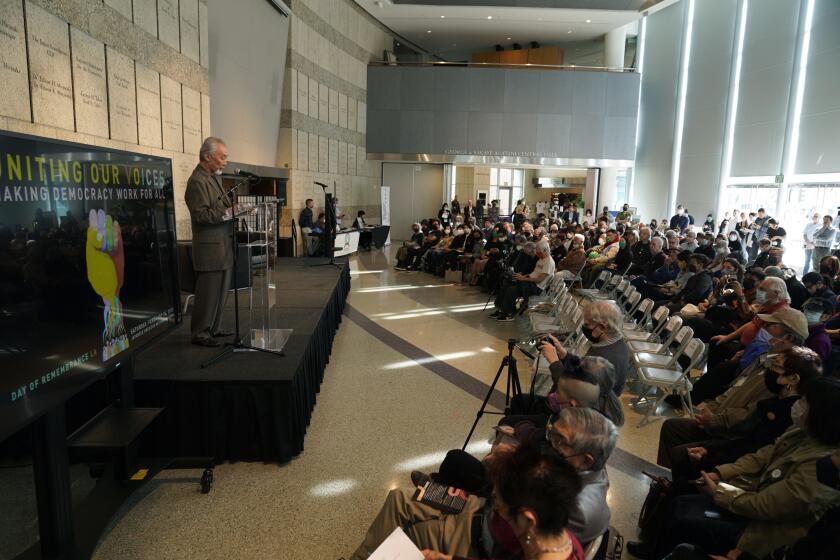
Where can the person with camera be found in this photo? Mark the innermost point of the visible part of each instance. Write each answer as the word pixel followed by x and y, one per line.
pixel 524 285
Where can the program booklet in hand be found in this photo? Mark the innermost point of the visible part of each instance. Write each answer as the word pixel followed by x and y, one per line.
pixel 396 547
pixel 447 499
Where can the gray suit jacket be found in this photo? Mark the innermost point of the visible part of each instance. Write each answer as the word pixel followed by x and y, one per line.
pixel 207 201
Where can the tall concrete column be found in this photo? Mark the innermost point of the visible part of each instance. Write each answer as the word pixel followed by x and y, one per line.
pixel 614 42
pixel 607 191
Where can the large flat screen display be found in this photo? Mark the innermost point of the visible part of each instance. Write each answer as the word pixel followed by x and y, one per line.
pixel 87 267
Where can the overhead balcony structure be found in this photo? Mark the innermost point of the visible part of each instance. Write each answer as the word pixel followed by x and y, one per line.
pixel 502 114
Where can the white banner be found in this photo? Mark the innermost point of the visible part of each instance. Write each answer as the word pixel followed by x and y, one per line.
pixel 385 213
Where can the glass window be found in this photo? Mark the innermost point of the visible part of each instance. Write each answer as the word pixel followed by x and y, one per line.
pixel 518 174
pixel 505 177
pixel 494 176
pixel 750 198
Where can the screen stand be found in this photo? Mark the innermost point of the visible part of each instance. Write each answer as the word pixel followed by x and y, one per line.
pixel 237 345
pixel 51 467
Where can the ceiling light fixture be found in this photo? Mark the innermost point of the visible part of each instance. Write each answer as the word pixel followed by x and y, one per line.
pixel 569 31
pixel 508 38
pixel 442 17
pixel 489 17
pixel 428 31
pixel 589 21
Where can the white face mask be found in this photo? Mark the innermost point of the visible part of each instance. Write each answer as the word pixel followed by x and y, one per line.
pixel 813 317
pixel 797 413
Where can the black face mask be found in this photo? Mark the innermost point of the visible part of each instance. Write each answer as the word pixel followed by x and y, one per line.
pixel 772 260
pixel 692 269
pixel 770 381
pixel 749 284
pixel 587 332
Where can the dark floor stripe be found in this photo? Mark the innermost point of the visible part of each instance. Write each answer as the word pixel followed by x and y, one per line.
pixel 624 461
pixel 450 373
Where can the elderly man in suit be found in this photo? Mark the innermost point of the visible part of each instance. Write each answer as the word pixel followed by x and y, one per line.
pixel 210 213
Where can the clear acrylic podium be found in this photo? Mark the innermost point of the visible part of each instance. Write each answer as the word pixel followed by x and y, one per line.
pixel 259 230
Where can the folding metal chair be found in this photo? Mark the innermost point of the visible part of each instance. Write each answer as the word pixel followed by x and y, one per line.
pixel 671 327
pixel 672 380
pixel 657 322
pixel 669 356
pixel 645 307
pixel 600 284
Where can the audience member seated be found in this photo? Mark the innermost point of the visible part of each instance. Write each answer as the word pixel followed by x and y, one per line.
pixel 573 262
pixel 602 324
pixel 723 417
pixel 764 500
pixel 586 382
pixel 697 287
pixel 668 278
pixel 365 237
pixel 819 286
pixel 523 285
pixel 787 376
pixel 817 311
pixel 771 295
pixel 641 254
pixel 404 253
pixel 547 491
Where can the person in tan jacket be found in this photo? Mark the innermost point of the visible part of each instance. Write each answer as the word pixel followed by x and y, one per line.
pixel 769 498
pixel 573 262
pixel 725 416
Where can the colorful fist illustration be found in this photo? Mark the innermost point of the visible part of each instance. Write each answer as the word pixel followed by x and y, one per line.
pixel 105 269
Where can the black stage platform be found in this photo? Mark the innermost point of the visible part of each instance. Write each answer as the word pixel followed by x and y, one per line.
pixel 249 406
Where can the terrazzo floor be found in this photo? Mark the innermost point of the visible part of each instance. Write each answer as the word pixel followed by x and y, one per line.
pixel 379 415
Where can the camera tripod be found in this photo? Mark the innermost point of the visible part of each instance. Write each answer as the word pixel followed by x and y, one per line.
pixel 512 388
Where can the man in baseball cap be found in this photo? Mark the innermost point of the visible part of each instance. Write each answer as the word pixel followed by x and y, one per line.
pixel 793 320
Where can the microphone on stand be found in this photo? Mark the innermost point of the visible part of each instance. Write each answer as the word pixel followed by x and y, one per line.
pixel 322 185
pixel 243 173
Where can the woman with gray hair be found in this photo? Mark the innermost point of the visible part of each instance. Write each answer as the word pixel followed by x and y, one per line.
pixel 573 262
pixel 602 322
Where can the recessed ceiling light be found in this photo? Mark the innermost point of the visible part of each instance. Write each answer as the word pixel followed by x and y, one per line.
pixel 589 21
pixel 428 31
pixel 489 17
pixel 508 38
pixel 442 17
pixel 569 31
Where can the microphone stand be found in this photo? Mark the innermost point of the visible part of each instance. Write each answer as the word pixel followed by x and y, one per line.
pixel 237 344
pixel 329 234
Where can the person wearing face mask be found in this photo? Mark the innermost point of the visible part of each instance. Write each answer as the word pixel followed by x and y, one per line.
pixel 679 221
pixel 690 243
pixel 403 255
pixel 705 247
pixel 724 416
pixel 624 256
pixel 599 258
pixel 736 248
pixel 602 323
pixel 787 376
pixel 771 296
pixel 818 286
pixel 817 311
pixel 767 499
pixel 709 224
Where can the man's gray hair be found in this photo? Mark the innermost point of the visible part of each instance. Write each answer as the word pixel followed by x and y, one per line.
pixel 543 247
pixel 606 313
pixel 602 370
pixel 209 146
pixel 658 241
pixel 591 433
pixel 778 286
